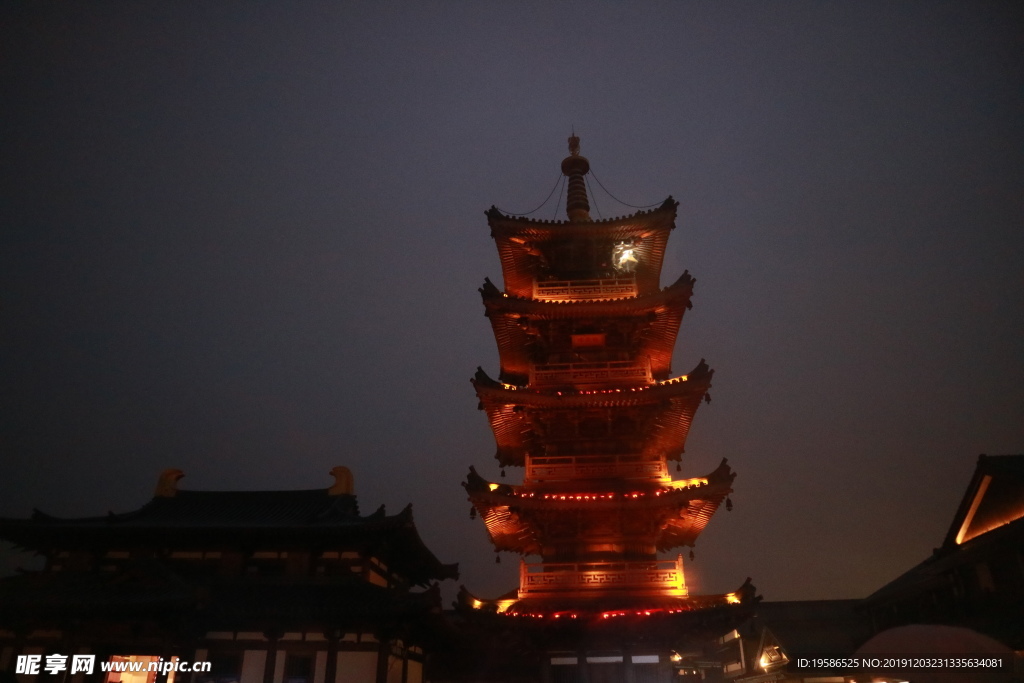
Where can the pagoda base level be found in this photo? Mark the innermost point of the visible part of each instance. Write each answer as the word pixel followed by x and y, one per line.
pixel 612 606
pixel 606 606
pixel 659 647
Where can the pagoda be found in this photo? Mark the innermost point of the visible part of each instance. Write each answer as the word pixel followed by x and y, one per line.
pixel 586 403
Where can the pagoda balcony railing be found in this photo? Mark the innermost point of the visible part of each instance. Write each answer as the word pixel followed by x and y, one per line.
pixel 591 373
pixel 594 579
pixel 567 467
pixel 582 290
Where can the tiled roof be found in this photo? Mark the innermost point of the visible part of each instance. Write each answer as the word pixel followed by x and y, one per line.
pixel 222 509
pixel 933 571
pixel 994 496
pixel 495 216
pixel 215 519
pixel 683 514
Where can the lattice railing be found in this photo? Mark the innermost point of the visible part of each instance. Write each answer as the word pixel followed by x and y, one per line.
pixel 582 290
pixel 654 577
pixel 548 468
pixel 591 373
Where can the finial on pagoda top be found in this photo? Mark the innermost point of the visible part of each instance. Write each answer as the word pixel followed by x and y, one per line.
pixel 575 167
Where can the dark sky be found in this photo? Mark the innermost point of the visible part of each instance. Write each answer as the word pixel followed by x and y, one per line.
pixel 244 239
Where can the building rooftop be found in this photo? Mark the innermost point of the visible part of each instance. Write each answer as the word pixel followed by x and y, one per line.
pixel 326 518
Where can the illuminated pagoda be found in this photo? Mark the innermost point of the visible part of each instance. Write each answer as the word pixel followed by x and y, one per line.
pixel 586 403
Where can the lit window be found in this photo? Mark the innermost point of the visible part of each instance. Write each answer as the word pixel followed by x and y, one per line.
pixel 624 257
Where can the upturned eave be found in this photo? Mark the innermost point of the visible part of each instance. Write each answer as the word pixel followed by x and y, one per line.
pixel 521 226
pixel 695 383
pixel 680 513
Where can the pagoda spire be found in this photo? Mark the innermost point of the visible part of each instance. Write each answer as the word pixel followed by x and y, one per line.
pixel 575 167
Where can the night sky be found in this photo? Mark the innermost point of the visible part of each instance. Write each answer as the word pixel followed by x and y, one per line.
pixel 244 239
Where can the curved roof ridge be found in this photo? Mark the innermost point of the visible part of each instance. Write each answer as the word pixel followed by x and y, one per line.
pixel 669 203
pixel 700 371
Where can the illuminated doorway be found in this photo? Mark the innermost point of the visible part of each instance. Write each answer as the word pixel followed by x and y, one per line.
pixel 137 669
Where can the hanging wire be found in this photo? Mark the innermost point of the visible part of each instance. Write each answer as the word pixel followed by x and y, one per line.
pixel 617 199
pixel 509 213
pixel 593 198
pixel 555 214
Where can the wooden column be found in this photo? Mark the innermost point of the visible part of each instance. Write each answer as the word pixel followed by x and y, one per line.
pixel 271 662
pixel 545 667
pixel 331 670
pixel 383 654
pixel 582 674
pixel 628 675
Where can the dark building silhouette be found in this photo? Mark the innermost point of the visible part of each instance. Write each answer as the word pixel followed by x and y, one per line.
pixel 267 586
pixel 976 577
pixel 967 599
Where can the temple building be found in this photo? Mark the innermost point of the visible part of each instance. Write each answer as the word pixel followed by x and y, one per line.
pixel 265 586
pixel 975 578
pixel 967 597
pixel 586 403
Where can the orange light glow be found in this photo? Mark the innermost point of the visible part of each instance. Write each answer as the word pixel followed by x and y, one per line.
pixel 503 605
pixel 982 488
pixel 688 483
pixel 586 497
pixel 591 392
